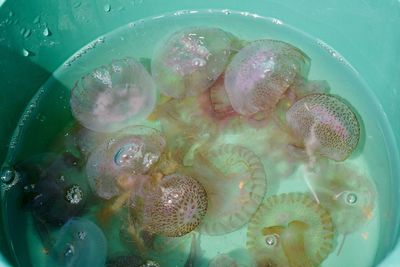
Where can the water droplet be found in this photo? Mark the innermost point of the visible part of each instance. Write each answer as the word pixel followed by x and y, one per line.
pixel 22 31
pixel 25 52
pixel 27 33
pixel 11 14
pixel 107 8
pixel 271 240
pixel 36 20
pixel 351 198
pixel 150 264
pixel 69 250
pixel 46 32
pixel 226 11
pixel 74 194
pixel 82 235
pixel 7 175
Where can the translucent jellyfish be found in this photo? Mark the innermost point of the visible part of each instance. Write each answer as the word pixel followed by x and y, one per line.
pixel 190 60
pixel 324 124
pixel 59 188
pixel 291 230
pixel 114 96
pixel 261 72
pixel 348 194
pixel 219 99
pixel 117 164
pixel 236 184
pixel 235 258
pixel 176 207
pixel 131 261
pixel 80 242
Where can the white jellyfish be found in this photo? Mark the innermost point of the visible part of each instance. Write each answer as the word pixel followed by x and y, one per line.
pixel 114 96
pixel 191 60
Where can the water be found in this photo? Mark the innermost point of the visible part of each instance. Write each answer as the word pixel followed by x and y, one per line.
pixel 49 113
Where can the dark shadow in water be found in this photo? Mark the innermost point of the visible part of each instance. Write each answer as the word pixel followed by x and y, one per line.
pixel 20 81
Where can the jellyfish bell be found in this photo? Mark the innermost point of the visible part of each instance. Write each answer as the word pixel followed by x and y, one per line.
pixel 261 72
pixel 122 159
pixel 324 124
pixel 114 96
pixel 80 242
pixel 291 230
pixel 59 188
pixel 176 207
pixel 348 194
pixel 191 59
pixel 235 181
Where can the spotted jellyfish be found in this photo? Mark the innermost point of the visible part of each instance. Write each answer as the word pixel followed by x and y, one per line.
pixel 114 96
pixel 324 124
pixel 291 230
pixel 191 59
pixel 260 73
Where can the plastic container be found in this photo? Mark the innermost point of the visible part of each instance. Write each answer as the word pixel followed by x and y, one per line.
pixel 38 36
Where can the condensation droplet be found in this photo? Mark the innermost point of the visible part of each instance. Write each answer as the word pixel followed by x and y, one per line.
pixel 198 62
pixel 107 8
pixel 27 33
pixel 25 52
pixel 46 32
pixel 36 20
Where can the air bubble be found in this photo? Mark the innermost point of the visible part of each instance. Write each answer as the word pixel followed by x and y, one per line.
pixel 107 8
pixel 7 175
pixel 351 198
pixel 74 194
pixel 69 250
pixel 82 235
pixel 271 240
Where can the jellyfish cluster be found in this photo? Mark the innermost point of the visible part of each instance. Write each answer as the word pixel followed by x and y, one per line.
pixel 198 144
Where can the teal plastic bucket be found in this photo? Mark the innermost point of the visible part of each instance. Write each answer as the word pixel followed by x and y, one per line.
pixel 36 37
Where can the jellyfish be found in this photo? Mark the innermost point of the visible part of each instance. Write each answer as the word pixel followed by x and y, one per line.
pixel 236 184
pixel 131 261
pixel 291 230
pixel 324 124
pixel 59 188
pixel 234 258
pixel 192 59
pixel 347 193
pixel 80 242
pixel 175 207
pixel 119 163
pixel 114 96
pixel 186 126
pixel 260 73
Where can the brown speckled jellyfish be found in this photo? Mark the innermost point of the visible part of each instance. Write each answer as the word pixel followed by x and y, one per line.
pixel 261 72
pixel 291 230
pixel 116 164
pixel 114 96
pixel 348 194
pixel 190 60
pixel 324 124
pixel 175 207
pixel 235 181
